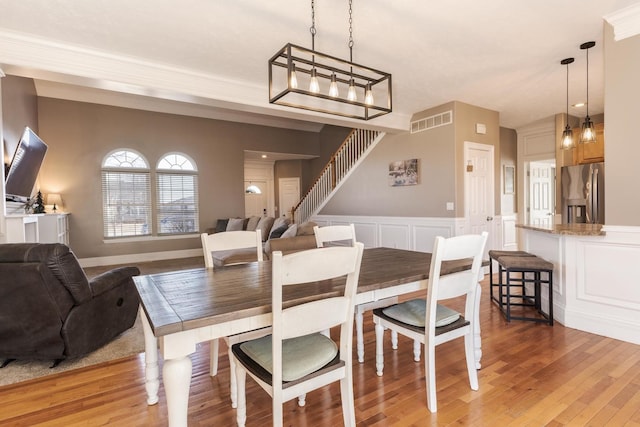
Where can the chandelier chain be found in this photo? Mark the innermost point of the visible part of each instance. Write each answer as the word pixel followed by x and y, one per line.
pixel 350 31
pixel 312 30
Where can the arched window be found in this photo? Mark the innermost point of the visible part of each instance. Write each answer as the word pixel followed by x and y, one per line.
pixel 126 194
pixel 177 195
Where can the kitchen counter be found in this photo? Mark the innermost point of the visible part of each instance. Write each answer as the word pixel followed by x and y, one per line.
pixel 567 229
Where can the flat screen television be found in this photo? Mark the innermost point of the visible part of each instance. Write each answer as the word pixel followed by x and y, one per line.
pixel 25 166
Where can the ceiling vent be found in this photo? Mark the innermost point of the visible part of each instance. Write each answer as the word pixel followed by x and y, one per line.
pixel 431 122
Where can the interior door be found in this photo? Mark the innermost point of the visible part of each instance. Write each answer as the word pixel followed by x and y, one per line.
pixel 255 203
pixel 541 193
pixel 479 193
pixel 289 195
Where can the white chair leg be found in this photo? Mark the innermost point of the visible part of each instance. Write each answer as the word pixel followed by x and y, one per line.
pixel 233 383
pixel 430 373
pixel 241 412
pixel 416 350
pixel 379 349
pixel 471 362
pixel 302 400
pixel 277 410
pixel 348 409
pixel 394 339
pixel 213 357
pixel 359 334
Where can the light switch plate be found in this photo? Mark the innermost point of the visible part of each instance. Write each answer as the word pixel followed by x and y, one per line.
pixel 449 206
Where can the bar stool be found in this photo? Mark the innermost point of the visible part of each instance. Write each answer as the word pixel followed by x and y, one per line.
pixel 494 255
pixel 530 269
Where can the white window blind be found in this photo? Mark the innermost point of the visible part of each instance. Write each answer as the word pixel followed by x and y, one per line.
pixel 126 193
pixel 177 195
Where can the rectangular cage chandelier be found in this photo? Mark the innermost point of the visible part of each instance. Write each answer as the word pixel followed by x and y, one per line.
pixel 311 80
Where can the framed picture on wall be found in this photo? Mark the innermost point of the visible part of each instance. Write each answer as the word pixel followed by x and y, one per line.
pixel 403 172
pixel 509 179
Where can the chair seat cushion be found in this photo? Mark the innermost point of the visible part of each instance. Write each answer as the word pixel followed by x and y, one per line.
pixel 300 356
pixel 413 313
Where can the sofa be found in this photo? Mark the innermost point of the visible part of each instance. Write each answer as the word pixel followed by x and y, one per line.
pixel 278 234
pixel 50 310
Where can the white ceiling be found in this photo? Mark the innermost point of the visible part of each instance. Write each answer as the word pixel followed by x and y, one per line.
pixel 209 57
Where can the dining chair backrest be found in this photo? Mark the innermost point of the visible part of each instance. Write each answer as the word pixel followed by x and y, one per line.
pixel 229 241
pixel 314 265
pixel 334 235
pixel 452 285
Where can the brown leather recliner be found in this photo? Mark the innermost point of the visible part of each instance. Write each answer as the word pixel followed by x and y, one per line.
pixel 50 310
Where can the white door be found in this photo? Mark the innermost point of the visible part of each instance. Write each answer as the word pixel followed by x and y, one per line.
pixel 288 195
pixel 478 189
pixel 541 193
pixel 255 204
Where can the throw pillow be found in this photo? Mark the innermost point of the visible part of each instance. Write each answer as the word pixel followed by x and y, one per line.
pixel 279 222
pixel 306 228
pixel 235 224
pixel 253 223
pixel 265 226
pixel 291 231
pixel 221 225
pixel 277 232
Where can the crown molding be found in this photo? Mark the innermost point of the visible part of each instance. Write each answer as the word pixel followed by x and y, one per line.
pixel 625 22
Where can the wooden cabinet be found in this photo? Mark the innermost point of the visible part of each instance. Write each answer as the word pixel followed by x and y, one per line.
pixel 54 228
pixel 589 153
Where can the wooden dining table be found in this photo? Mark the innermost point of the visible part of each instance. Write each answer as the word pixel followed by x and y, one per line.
pixel 180 309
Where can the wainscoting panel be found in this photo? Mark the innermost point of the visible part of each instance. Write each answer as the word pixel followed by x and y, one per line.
pixel 414 233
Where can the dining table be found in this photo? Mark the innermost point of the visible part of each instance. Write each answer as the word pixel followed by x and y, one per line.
pixel 180 309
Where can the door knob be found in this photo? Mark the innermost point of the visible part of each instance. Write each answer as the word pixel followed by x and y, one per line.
pixel 489 218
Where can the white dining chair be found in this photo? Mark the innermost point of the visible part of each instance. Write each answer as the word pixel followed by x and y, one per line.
pixel 343 235
pixel 431 323
pixel 230 248
pixel 297 357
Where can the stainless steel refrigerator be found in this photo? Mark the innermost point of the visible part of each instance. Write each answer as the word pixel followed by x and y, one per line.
pixel 583 193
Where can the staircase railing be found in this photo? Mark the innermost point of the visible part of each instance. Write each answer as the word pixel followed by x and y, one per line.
pixel 341 163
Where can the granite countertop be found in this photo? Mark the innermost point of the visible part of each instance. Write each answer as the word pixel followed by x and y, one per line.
pixel 567 229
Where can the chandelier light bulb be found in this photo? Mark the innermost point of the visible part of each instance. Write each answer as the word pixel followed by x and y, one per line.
pixel 567 138
pixel 314 86
pixel 368 95
pixel 333 87
pixel 351 95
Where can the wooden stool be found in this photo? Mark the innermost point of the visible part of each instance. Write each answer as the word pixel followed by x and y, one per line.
pixel 526 266
pixel 494 255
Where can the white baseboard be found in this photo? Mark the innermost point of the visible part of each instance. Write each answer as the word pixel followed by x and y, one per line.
pixel 144 257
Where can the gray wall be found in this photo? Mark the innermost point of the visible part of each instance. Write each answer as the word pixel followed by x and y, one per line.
pixel 440 152
pixel 622 147
pixel 80 135
pixel 508 157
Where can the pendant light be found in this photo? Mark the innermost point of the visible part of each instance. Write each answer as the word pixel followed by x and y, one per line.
pixel 588 131
pixel 567 135
pixel 315 81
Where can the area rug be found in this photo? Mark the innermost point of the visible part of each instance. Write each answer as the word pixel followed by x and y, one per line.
pixel 130 342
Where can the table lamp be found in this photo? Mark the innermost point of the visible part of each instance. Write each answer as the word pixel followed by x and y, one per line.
pixel 54 199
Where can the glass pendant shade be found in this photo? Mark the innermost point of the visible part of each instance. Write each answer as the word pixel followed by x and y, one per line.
pixel 293 79
pixel 588 132
pixel 333 87
pixel 567 138
pixel 314 86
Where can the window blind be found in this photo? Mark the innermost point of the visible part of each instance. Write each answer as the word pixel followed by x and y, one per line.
pixel 126 203
pixel 177 202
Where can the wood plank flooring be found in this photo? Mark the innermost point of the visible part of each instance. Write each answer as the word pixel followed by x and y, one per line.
pixel 532 375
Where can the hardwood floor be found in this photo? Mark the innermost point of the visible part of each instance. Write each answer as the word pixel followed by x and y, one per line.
pixel 532 375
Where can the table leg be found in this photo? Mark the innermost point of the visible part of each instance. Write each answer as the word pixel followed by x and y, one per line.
pixel 152 381
pixel 477 339
pixel 176 377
